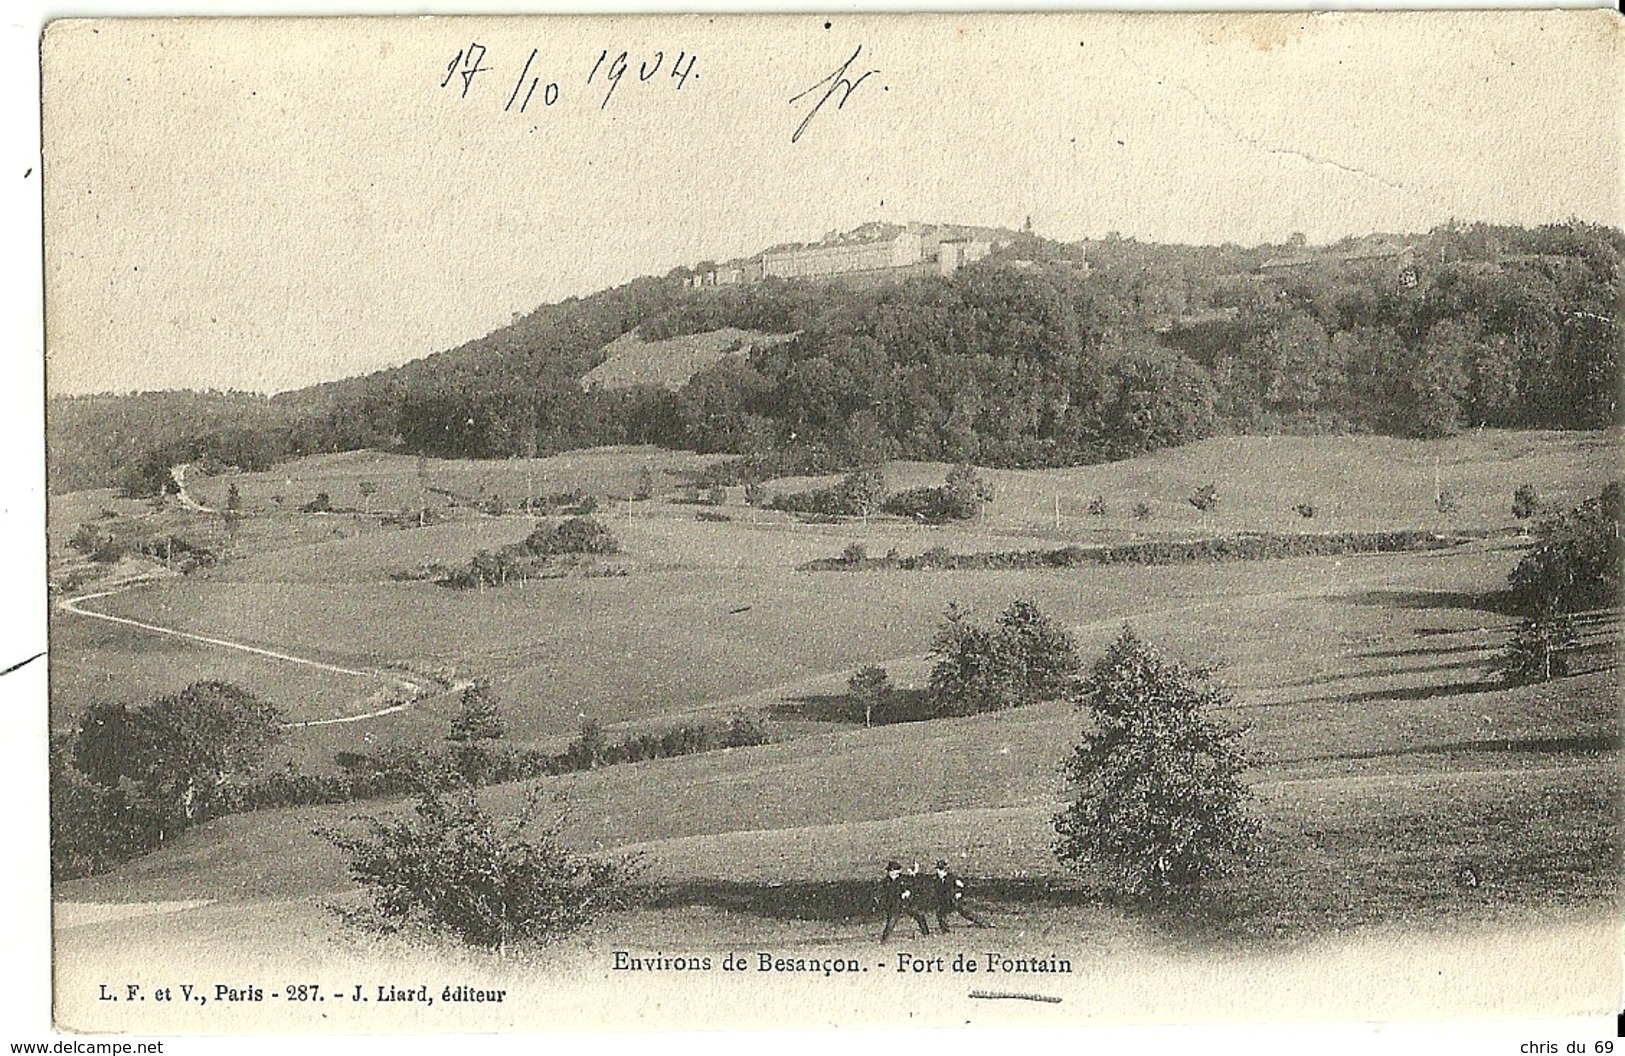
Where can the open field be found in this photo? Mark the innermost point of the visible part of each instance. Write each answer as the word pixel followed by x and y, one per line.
pixel 1401 785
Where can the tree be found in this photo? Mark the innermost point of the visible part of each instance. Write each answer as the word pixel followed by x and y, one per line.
pixel 1576 560
pixel 450 866
pixel 1038 657
pixel 967 491
pixel 234 497
pixel 169 759
pixel 863 490
pixel 1026 657
pixel 646 485
pixel 964 676
pixel 1159 803
pixel 573 535
pixel 1525 501
pixel 479 718
pixel 185 747
pixel 870 689
pixel 1539 649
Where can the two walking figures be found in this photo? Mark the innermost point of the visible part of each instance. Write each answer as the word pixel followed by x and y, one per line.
pixel 909 894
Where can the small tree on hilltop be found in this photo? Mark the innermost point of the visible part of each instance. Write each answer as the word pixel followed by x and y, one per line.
pixel 870 689
pixel 1160 805
pixel 450 866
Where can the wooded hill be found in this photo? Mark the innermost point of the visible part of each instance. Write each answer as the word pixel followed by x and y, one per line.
pixel 1024 359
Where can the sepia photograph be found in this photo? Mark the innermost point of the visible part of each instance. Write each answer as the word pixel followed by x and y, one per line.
pixel 806 521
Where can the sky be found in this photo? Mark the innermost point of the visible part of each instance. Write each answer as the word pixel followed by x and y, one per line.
pixel 262 205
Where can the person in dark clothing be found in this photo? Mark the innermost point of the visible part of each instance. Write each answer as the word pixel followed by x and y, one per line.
pixel 949 896
pixel 901 895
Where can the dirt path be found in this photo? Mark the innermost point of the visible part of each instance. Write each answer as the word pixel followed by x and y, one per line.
pixel 415 691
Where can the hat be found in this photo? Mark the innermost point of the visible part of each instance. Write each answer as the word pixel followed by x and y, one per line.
pixel 892 867
pixel 942 863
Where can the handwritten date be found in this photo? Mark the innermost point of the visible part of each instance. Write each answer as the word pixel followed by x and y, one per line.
pixel 533 86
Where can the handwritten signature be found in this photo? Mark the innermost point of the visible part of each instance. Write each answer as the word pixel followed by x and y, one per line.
pixel 838 81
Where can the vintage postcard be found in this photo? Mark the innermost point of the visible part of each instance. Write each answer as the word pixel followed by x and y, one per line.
pixel 802 521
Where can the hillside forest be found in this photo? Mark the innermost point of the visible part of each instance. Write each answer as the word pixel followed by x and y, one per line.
pixel 1026 359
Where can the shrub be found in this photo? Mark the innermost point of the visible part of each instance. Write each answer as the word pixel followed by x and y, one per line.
pixel 1024 658
pixel 322 503
pixel 1447 501
pixel 755 493
pixel 1205 498
pixel 573 535
pixel 451 867
pixel 1142 511
pixel 746 729
pixel 1305 509
pixel 1097 506
pixel 859 494
pixel 854 553
pixel 1539 649
pixel 645 489
pixel 1159 804
pixel 959 498
pixel 478 718
pixel 1525 501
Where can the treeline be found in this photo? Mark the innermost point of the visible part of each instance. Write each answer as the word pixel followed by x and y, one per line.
pixel 1022 360
pixel 1257 546
pixel 414 768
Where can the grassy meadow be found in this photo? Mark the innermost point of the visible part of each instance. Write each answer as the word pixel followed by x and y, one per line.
pixel 1399 782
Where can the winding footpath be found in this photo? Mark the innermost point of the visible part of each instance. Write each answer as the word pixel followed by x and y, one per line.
pixel 75 605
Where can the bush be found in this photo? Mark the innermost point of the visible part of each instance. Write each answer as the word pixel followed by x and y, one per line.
pixel 959 498
pixel 451 867
pixel 478 718
pixel 1160 806
pixel 1097 506
pixel 573 535
pixel 1205 498
pixel 645 489
pixel 859 494
pixel 1305 509
pixel 1025 658
pixel 322 503
pixel 854 553
pixel 1525 501
pixel 1539 650
pixel 1259 546
pixel 1142 511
